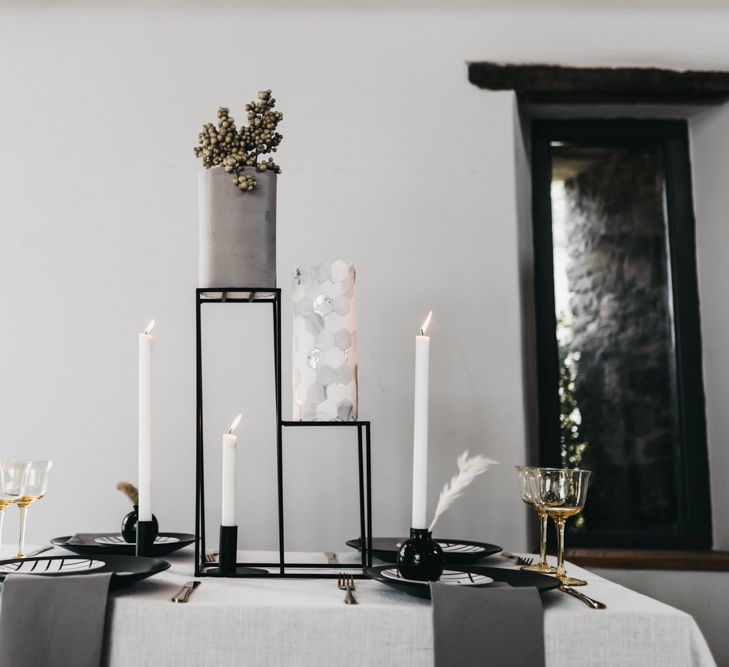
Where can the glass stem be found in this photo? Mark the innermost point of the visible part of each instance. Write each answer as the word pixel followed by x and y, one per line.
pixel 21 536
pixel 560 548
pixel 2 519
pixel 543 519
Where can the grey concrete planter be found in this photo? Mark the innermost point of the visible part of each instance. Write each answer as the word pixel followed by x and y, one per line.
pixel 237 231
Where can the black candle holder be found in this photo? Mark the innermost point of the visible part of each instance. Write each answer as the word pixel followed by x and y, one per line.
pixel 146 533
pixel 421 557
pixel 228 549
pixel 129 525
pixel 228 557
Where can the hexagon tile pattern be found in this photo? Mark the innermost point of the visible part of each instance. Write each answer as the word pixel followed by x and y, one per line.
pixel 325 343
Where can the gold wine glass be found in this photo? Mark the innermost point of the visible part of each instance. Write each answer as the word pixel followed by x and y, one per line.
pixel 34 488
pixel 12 479
pixel 561 493
pixel 525 477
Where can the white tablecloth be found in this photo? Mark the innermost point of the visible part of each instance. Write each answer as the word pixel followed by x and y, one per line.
pixel 304 622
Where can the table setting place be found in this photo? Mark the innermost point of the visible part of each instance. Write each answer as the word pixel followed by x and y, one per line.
pixel 145 593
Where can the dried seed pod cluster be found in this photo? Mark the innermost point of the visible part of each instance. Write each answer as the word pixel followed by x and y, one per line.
pixel 234 149
pixel 130 491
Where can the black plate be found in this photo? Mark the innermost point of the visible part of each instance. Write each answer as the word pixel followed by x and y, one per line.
pixel 515 578
pixel 89 547
pixel 126 570
pixel 457 552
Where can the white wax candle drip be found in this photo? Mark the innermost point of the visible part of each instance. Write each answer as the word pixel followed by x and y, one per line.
pixel 230 446
pixel 145 424
pixel 420 427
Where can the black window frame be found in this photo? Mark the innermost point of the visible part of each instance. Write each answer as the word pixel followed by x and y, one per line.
pixel 672 137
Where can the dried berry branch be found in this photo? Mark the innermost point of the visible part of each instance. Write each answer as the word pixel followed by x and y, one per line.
pixel 235 149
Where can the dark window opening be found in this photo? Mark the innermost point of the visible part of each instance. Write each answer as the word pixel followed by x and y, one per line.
pixel 619 347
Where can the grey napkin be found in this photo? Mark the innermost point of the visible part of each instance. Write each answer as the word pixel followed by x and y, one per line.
pixel 48 621
pixel 501 627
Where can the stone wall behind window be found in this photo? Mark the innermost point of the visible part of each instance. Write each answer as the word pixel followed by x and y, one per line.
pixel 618 277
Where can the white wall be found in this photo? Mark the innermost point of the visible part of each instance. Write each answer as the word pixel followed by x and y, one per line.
pixel 99 213
pixel 391 160
pixel 710 162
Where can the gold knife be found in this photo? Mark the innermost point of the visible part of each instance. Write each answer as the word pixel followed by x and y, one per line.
pixel 582 598
pixel 37 552
pixel 183 595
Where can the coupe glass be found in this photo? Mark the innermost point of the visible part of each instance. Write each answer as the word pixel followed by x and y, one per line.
pixel 12 479
pixel 34 488
pixel 561 494
pixel 525 477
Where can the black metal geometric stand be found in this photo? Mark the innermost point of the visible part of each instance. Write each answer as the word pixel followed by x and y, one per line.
pixel 272 296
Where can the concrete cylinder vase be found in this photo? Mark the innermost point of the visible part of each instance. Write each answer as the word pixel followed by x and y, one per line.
pixel 325 343
pixel 237 230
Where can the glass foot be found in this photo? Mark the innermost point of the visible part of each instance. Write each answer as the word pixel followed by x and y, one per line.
pixel 570 581
pixel 542 569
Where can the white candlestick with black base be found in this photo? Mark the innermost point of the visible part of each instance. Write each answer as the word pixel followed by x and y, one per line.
pixel 228 547
pixel 421 557
pixel 146 528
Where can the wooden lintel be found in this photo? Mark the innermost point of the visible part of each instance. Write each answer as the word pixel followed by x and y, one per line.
pixel 555 84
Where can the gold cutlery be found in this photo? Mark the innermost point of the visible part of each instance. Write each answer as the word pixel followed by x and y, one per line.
pixel 346 583
pixel 594 604
pixel 37 552
pixel 183 595
pixel 517 559
pixel 211 557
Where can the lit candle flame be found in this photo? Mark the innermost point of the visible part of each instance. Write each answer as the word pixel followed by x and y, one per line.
pixel 235 423
pixel 426 324
pixel 149 328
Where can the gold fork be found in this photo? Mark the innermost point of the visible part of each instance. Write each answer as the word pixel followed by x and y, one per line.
pixel 346 583
pixel 211 557
pixel 517 559
pixel 344 580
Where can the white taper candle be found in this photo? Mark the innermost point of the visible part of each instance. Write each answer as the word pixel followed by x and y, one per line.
pixel 420 427
pixel 230 446
pixel 145 424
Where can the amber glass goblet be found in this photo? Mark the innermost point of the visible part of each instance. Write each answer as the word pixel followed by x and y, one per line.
pixel 34 488
pixel 561 493
pixel 525 478
pixel 12 478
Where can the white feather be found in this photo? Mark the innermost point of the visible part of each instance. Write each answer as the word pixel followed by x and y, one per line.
pixel 468 470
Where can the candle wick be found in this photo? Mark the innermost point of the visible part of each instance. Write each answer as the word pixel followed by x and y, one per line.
pixel 426 324
pixel 234 425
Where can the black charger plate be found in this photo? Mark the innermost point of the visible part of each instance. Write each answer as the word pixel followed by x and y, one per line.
pixel 126 570
pixel 456 552
pixel 89 546
pixel 515 578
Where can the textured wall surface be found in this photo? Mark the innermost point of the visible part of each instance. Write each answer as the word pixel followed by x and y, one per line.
pixel 618 280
